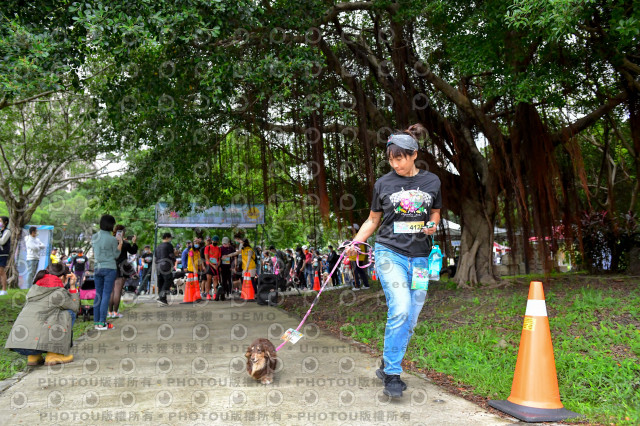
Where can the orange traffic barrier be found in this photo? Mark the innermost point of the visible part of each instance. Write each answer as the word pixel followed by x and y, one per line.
pixel 191 289
pixel 316 282
pixel 535 396
pixel 247 288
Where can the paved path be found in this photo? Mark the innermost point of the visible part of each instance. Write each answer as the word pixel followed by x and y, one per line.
pixel 184 364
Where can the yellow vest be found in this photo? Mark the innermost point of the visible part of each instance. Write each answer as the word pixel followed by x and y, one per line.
pixel 194 260
pixel 361 257
pixel 245 258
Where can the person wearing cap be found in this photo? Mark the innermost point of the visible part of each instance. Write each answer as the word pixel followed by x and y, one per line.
pixel 54 257
pixel 249 260
pixel 146 263
pixel 45 323
pixel 164 258
pixel 405 205
pixel 68 260
pixel 79 266
pixel 225 268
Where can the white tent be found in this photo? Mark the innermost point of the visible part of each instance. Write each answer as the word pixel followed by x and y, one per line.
pixel 455 229
pixel 452 228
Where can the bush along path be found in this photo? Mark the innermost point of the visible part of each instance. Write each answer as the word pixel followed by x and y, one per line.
pixel 467 340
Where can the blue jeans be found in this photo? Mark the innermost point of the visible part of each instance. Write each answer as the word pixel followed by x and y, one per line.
pixel 308 276
pixel 32 268
pixel 395 272
pixel 74 315
pixel 103 279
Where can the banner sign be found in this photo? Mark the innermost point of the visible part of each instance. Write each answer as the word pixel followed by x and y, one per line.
pixel 231 216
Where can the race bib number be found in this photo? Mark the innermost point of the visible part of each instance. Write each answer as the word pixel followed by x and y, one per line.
pixel 226 261
pixel 420 279
pixel 291 335
pixel 407 227
pixel 213 260
pixel 145 265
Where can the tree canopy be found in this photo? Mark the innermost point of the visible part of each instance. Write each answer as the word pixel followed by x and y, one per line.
pixel 293 102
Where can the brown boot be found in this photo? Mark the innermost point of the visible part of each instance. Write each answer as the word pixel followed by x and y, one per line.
pixel 54 358
pixel 33 360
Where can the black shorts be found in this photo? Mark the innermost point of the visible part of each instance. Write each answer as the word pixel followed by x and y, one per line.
pixel 3 261
pixel 212 271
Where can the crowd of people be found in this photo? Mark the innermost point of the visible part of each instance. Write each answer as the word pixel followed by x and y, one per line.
pixel 219 266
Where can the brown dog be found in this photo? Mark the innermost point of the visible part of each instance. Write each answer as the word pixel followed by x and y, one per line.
pixel 261 360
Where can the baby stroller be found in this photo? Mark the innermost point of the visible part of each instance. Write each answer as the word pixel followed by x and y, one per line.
pixel 87 294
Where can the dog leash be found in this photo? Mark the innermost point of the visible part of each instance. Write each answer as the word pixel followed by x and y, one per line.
pixel 344 246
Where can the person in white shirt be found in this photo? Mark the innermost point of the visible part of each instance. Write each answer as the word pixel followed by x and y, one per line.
pixel 34 248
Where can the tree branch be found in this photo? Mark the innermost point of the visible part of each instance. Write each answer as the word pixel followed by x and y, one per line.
pixel 5 103
pixel 569 131
pixel 6 161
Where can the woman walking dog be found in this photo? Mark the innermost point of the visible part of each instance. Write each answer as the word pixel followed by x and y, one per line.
pixel 406 205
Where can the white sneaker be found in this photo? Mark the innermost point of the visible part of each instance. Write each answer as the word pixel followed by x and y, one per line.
pixel 355 288
pixel 3 292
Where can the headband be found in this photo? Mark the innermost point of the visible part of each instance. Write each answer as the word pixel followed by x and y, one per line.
pixel 403 141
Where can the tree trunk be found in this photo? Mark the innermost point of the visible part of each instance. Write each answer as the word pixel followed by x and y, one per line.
pixel 17 222
pixel 265 169
pixel 316 139
pixel 476 260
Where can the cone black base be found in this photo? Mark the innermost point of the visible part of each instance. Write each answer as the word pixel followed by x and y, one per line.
pixel 532 415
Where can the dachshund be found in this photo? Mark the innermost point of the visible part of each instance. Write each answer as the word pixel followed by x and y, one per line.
pixel 261 360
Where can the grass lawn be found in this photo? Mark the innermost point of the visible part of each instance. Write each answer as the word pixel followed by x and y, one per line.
pixel 467 340
pixel 10 307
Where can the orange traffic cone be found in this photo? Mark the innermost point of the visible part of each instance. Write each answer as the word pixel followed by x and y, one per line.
pixel 196 289
pixel 316 282
pixel 191 289
pixel 535 396
pixel 373 275
pixel 247 288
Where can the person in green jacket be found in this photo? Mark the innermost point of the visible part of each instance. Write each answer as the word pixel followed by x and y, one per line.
pixel 45 324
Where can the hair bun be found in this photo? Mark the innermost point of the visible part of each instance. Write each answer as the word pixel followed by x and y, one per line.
pixel 418 131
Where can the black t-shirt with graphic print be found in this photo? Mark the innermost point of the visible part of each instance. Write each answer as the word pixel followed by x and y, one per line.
pixel 406 203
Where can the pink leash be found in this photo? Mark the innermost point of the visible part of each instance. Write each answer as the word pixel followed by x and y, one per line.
pixel 344 245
